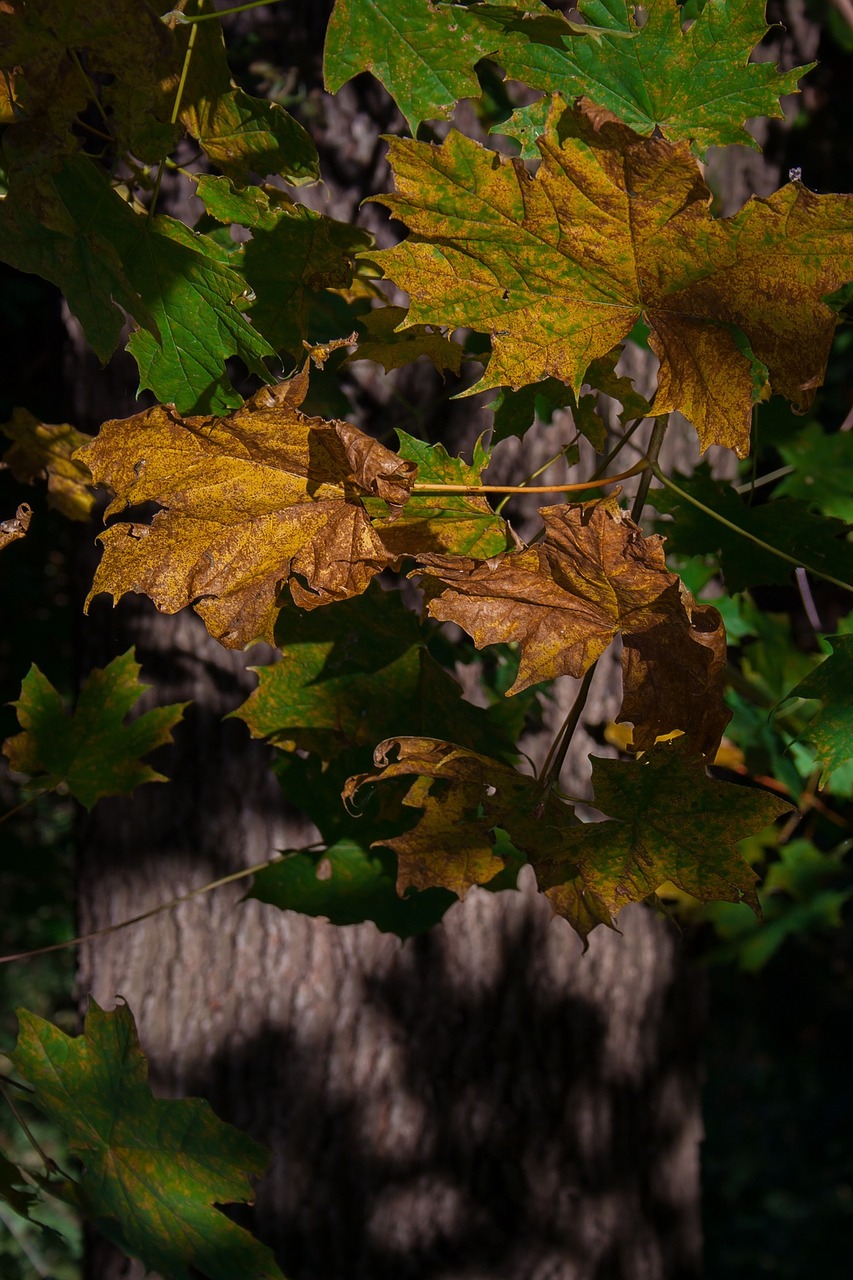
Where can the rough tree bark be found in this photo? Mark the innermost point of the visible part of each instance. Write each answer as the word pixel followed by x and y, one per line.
pixel 482 1102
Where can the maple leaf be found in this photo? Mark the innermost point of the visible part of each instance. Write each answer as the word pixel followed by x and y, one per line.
pixel 786 523
pixel 293 255
pixel 653 74
pixel 668 822
pixel 181 288
pixel 44 451
pixel 564 599
pixel 16 527
pixel 831 728
pixel 348 884
pixel 558 267
pixel 251 502
pixel 667 77
pixel 463 524
pixel 822 471
pixel 15 1191
pixel 357 673
pixel 392 346
pixel 154 1168
pixel 240 133
pixel 94 752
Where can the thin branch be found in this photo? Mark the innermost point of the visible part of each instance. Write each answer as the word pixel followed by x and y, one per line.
pixel 617 448
pixel 560 745
pixel 50 1165
pixel 652 454
pixel 759 542
pixel 529 488
pixel 778 474
pixel 176 107
pixel 545 465
pixel 221 13
pixel 156 911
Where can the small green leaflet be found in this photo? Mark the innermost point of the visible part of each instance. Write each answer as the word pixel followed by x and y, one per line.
pixel 654 76
pixel 788 524
pixel 154 1169
pixel 462 524
pixel 94 752
pixel 831 729
pixel 182 289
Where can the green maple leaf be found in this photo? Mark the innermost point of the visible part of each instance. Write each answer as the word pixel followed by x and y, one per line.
pixel 668 822
pixel 831 728
pixel 181 288
pixel 294 254
pixel 358 672
pixel 558 267
pixel 692 83
pixel 153 1168
pixel 823 471
pixel 349 884
pixel 93 752
pixel 462 524
pixel 786 523
pixel 695 83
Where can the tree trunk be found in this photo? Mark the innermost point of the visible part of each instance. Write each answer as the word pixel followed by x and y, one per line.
pixel 482 1102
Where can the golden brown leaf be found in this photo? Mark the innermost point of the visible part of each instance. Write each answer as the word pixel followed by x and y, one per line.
pixel 43 450
pixel 564 599
pixel 251 502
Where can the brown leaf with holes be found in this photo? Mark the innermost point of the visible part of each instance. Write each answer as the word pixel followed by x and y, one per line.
pixel 259 500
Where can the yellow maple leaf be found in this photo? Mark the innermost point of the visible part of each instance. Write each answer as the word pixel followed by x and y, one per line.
pixel 557 267
pixel 45 450
pixel 262 498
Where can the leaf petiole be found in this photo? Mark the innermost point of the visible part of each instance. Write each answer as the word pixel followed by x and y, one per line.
pixel 530 488
pixel 751 537
pixel 182 20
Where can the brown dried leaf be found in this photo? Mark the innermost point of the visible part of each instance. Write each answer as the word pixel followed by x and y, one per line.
pixel 563 601
pixel 11 530
pixel 251 502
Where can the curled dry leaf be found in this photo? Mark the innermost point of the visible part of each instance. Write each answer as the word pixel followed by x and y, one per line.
pixel 11 530
pixel 564 599
pixel 264 498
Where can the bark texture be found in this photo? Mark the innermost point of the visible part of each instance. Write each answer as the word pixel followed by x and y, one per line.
pixel 485 1102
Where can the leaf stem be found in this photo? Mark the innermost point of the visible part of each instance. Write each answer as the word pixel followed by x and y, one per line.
pixel 529 488
pixel 735 528
pixel 560 745
pixel 561 453
pixel 165 906
pixel 652 455
pixel 617 448
pixel 176 106
pixel 50 1166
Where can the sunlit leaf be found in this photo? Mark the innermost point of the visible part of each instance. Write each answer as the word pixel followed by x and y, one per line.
pixel 262 499
pixel 153 1169
pixel 94 752
pixel 181 288
pixel 558 268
